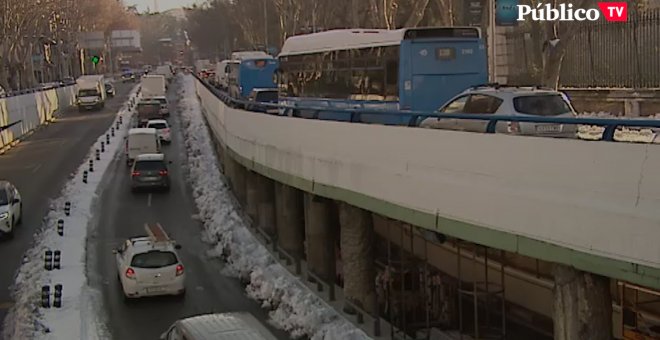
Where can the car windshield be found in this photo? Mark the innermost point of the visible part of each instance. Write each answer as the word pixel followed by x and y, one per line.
pixel 87 93
pixel 4 200
pixel 542 105
pixel 266 97
pixel 149 166
pixel 154 259
pixel 157 125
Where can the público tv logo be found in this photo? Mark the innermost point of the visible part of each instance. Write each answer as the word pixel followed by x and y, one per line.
pixel 612 11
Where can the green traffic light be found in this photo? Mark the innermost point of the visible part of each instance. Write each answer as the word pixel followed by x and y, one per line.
pixel 95 60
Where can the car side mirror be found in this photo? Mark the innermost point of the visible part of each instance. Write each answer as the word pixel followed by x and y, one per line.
pixel 115 251
pixel 17 200
pixel 177 246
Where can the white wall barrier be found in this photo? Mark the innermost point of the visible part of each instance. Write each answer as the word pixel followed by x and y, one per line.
pixel 593 205
pixel 31 110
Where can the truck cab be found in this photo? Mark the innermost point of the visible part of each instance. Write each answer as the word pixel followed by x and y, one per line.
pixel 90 92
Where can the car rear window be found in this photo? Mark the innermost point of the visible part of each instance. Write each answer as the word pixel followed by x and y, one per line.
pixel 158 125
pixel 541 105
pixel 149 166
pixel 154 259
pixel 267 96
pixel 162 100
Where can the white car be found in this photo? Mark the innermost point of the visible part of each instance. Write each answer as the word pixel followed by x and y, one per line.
pixel 162 129
pixel 150 265
pixel 505 100
pixel 11 208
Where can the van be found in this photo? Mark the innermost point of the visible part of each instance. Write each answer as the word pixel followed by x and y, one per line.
pixel 218 326
pixel 141 141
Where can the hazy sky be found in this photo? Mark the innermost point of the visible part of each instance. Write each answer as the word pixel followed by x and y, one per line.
pixel 163 5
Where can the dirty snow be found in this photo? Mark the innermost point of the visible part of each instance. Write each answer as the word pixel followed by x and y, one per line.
pixel 293 307
pixel 78 318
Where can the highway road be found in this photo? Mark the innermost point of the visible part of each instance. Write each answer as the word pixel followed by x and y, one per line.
pixel 40 166
pixel 123 214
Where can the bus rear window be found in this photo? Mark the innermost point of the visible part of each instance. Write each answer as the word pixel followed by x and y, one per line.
pixel 541 105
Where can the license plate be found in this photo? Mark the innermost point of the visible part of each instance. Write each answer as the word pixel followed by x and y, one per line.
pixel 155 290
pixel 151 179
pixel 548 128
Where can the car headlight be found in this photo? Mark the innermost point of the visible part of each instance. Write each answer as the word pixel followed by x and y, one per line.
pixel 4 215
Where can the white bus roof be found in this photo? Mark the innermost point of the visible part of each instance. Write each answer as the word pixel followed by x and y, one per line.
pixel 244 55
pixel 347 39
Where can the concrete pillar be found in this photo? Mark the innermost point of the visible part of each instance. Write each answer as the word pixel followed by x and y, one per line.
pixel 290 219
pixel 240 175
pixel 582 305
pixel 229 165
pixel 252 196
pixel 266 207
pixel 357 254
pixel 320 236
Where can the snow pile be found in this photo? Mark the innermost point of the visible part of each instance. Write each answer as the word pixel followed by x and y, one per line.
pixel 622 134
pixel 293 307
pixel 77 318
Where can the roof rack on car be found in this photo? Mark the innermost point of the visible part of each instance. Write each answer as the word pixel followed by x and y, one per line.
pixel 156 233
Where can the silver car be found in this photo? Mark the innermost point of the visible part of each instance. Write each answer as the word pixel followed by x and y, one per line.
pixel 508 101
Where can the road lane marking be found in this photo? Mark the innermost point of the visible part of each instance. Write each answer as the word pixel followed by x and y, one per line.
pixel 149 200
pixel 36 168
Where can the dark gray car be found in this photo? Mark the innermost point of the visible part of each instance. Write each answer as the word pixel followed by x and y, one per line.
pixel 150 172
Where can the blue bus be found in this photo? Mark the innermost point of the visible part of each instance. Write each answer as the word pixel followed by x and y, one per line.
pixel 247 71
pixel 406 69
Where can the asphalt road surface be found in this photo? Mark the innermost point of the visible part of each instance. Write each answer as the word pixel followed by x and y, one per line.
pixel 39 167
pixel 123 214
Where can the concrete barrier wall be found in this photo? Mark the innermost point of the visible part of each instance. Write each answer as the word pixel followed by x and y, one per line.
pixel 593 205
pixel 32 110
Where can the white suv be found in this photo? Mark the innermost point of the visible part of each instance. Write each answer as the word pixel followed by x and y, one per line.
pixel 508 100
pixel 11 208
pixel 162 129
pixel 150 265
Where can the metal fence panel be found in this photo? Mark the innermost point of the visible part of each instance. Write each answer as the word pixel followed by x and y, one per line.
pixel 601 54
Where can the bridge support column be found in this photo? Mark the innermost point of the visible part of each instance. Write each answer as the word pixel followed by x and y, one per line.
pixel 357 254
pixel 240 174
pixel 320 236
pixel 252 196
pixel 582 305
pixel 290 219
pixel 266 207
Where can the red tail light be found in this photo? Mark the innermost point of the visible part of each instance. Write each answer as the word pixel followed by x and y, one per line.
pixel 135 173
pixel 179 269
pixel 130 273
pixel 163 172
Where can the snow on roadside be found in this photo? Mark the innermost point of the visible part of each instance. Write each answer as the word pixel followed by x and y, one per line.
pixel 77 318
pixel 294 308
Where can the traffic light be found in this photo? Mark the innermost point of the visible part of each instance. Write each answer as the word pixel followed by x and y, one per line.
pixel 96 59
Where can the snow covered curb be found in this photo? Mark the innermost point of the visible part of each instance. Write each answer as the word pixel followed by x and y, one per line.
pixel 77 317
pixel 294 308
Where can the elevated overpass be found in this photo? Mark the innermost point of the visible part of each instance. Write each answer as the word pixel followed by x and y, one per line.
pixel 592 206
